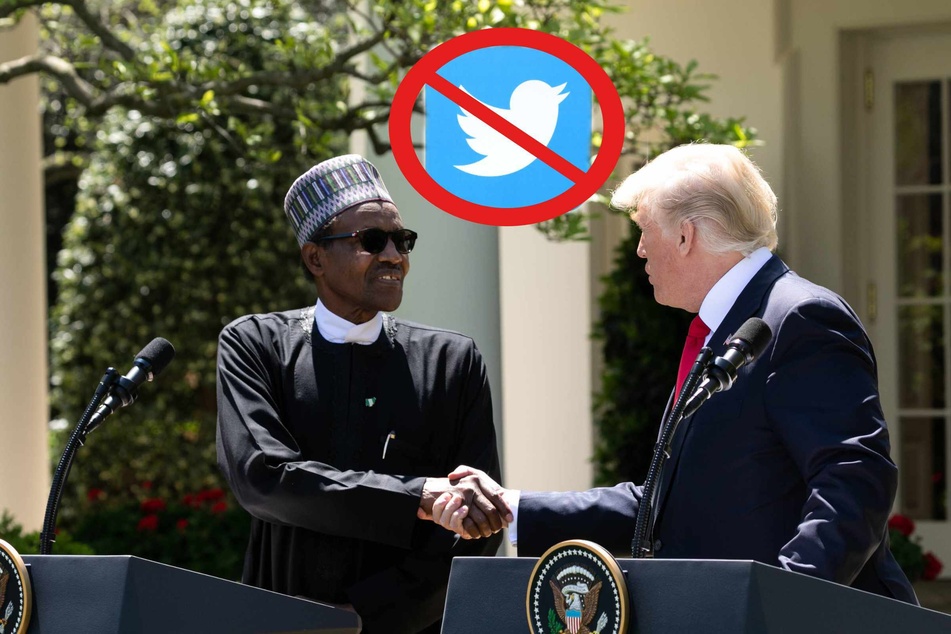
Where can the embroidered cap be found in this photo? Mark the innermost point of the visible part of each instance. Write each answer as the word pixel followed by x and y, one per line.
pixel 330 188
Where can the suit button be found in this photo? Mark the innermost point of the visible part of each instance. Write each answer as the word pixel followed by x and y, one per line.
pixel 658 545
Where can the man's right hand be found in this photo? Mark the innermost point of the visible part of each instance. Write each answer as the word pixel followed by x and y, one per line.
pixel 468 502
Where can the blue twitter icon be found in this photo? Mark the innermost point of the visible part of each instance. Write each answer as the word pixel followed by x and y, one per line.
pixel 537 92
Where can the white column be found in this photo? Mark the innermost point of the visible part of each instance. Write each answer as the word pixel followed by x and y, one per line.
pixel 546 361
pixel 24 472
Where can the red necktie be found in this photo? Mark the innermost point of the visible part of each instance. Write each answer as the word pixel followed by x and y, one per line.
pixel 695 336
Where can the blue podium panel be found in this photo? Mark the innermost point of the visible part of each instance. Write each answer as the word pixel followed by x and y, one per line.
pixel 125 594
pixel 488 594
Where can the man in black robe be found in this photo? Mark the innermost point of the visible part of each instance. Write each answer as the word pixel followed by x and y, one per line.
pixel 332 419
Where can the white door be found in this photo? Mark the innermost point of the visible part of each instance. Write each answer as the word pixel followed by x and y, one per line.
pixel 908 137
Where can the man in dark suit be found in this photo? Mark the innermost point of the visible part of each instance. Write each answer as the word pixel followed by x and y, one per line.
pixel 790 467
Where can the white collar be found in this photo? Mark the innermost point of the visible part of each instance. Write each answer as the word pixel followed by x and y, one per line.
pixel 724 293
pixel 336 329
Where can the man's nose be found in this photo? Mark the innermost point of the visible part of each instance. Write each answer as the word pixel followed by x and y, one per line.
pixel 641 251
pixel 389 252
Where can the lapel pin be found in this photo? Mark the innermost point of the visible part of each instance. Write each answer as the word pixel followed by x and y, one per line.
pixel 370 402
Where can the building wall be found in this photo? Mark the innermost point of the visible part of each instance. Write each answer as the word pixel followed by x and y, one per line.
pixel 733 39
pixel 546 361
pixel 24 481
pixel 778 64
pixel 818 147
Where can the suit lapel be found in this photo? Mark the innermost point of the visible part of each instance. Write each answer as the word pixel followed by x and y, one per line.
pixel 747 305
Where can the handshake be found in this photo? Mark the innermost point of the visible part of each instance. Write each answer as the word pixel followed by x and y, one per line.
pixel 468 502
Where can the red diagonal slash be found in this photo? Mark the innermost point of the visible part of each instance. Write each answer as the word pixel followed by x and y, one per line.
pixel 511 131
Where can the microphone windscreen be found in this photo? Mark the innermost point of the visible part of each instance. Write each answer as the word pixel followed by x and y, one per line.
pixel 159 353
pixel 755 332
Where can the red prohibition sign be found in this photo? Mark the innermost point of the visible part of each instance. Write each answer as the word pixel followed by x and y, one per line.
pixel 585 183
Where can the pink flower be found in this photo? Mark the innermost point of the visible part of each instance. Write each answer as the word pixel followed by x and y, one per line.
pixel 148 523
pixel 902 524
pixel 153 505
pixel 933 567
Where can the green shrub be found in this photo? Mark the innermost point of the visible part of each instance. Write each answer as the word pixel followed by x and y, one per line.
pixel 29 543
pixel 642 341
pixel 204 531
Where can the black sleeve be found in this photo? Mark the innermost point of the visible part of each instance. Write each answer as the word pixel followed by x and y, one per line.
pixel 264 467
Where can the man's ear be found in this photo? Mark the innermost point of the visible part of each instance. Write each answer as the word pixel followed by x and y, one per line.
pixel 310 253
pixel 688 237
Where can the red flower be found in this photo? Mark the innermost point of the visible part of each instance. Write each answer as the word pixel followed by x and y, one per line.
pixel 902 524
pixel 219 507
pixel 190 500
pixel 147 484
pixel 148 523
pixel 181 525
pixel 94 495
pixel 933 567
pixel 210 495
pixel 153 505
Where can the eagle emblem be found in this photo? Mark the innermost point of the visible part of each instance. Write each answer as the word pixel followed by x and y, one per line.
pixel 4 580
pixel 576 599
pixel 572 583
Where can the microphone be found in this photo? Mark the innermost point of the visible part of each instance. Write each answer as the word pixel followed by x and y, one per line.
pixel 148 364
pixel 747 344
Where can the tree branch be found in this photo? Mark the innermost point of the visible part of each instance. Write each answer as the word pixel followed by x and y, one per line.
pixel 62 167
pixel 98 28
pixel 380 147
pixel 109 40
pixel 62 70
pixel 340 64
pixel 8 7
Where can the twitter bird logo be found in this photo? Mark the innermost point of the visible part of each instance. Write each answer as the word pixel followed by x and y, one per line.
pixel 533 107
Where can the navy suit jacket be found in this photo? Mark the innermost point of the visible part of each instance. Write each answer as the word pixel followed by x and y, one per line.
pixel 790 467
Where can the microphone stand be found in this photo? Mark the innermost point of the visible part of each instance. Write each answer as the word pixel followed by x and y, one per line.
pixel 640 546
pixel 48 534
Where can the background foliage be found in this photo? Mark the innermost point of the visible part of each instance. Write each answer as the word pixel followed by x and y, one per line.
pixel 173 129
pixel 908 551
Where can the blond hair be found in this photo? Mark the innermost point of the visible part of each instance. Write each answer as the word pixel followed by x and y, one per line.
pixel 716 187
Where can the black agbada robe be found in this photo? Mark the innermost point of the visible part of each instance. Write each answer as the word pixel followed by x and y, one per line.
pixel 327 446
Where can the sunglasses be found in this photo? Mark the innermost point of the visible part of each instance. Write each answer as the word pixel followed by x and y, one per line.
pixel 374 240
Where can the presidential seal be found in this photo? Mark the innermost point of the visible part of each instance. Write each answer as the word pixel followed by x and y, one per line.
pixel 16 596
pixel 577 587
